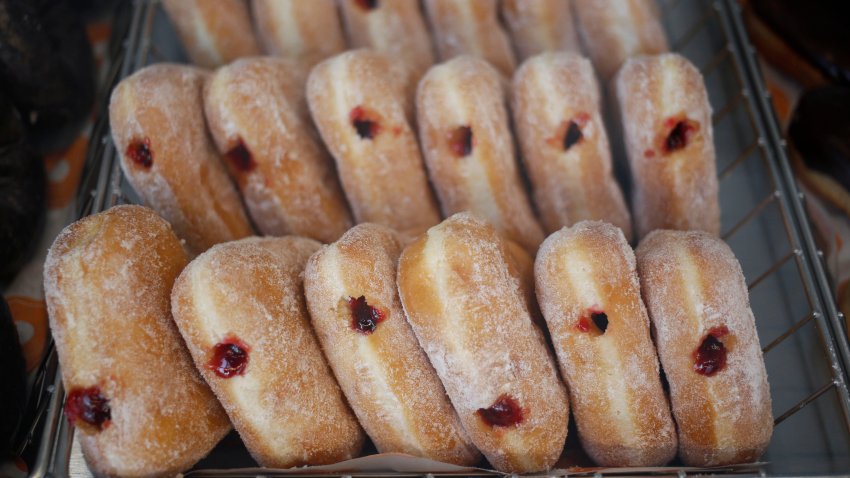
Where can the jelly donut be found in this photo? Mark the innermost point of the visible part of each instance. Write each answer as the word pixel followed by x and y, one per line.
pixel 707 342
pixel 307 32
pixel 240 307
pixel 471 27
pixel 395 28
pixel 614 30
pixel 537 26
pixel 666 121
pixel 136 399
pixel 285 175
pixel 158 127
pixel 588 289
pixel 358 102
pixel 564 145
pixel 213 32
pixel 353 301
pixel 465 304
pixel 469 150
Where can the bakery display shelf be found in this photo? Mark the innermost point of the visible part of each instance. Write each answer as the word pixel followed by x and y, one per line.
pixel 764 221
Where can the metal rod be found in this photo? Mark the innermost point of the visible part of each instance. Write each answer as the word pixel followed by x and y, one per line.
pixel 802 403
pixel 728 107
pixel 715 61
pixel 775 267
pixel 750 215
pixel 692 31
pixel 778 340
pixel 739 160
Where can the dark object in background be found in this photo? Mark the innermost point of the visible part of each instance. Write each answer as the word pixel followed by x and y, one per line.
pixel 46 68
pixel 22 195
pixel 12 380
pixel 92 9
pixel 816 31
pixel 820 143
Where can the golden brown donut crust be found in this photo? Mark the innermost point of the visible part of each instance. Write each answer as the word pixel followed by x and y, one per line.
pixel 383 371
pixel 160 108
pixel 255 112
pixel 393 27
pixel 555 95
pixel 471 27
pixel 304 31
pixel 672 188
pixel 466 92
pixel 286 405
pixel 538 26
pixel 380 165
pixel 213 32
pixel 694 287
pixel 613 31
pixel 107 283
pixel 465 304
pixel 613 376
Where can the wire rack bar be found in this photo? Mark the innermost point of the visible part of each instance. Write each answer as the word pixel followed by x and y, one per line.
pixel 769 199
pixel 775 267
pixel 740 159
pixel 692 31
pixel 802 403
pixel 794 328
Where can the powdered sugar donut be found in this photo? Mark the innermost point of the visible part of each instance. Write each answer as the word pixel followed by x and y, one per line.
pixel 465 304
pixel 707 342
pixel 359 104
pixel 306 32
pixel 353 299
pixel 469 150
pixel 666 121
pixel 564 143
pixel 588 289
pixel 138 404
pixel 240 307
pixel 257 115
pixel 158 127
pixel 538 26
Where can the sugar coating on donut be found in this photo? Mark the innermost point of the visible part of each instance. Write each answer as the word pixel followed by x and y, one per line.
pixel 613 31
pixel 462 93
pixel 107 282
pixel 285 405
pixel 564 143
pixel 379 164
pixel 385 375
pixel 471 28
pixel 674 187
pixel 537 26
pixel 257 115
pixel 465 305
pixel 187 183
pixel 306 32
pixel 694 286
pixel 587 286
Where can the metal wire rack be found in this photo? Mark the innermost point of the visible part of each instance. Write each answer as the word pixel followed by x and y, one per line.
pixel 764 221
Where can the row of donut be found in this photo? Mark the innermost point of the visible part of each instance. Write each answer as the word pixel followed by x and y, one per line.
pixel 217 32
pixel 438 348
pixel 261 122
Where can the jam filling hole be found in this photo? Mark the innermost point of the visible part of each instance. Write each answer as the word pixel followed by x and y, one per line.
pixel 139 151
pixel 364 317
pixel 710 356
pixel 89 406
pixel 504 412
pixel 364 122
pixel 572 136
pixel 680 135
pixel 461 141
pixel 240 156
pixel 367 4
pixel 594 321
pixel 229 358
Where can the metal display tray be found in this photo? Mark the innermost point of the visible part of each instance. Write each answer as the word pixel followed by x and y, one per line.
pixel 764 221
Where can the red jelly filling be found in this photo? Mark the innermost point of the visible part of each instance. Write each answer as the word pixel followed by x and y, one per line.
pixel 594 321
pixel 229 358
pixel 88 405
pixel 139 151
pixel 681 132
pixel 364 122
pixel 572 135
pixel 504 412
pixel 367 4
pixel 460 141
pixel 364 317
pixel 240 156
pixel 710 356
